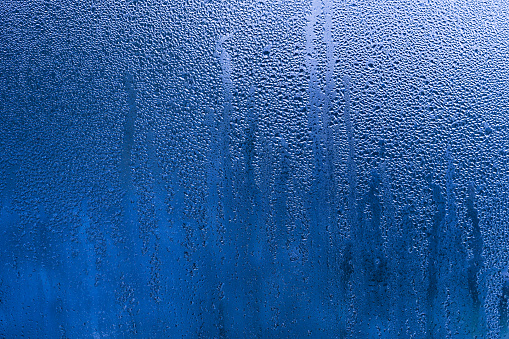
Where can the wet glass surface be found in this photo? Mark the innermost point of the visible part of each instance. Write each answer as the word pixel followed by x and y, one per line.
pixel 254 169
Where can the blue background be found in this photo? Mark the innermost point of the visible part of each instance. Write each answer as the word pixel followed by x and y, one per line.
pixel 254 169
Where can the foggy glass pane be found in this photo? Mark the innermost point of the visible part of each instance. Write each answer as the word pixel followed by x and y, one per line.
pixel 254 169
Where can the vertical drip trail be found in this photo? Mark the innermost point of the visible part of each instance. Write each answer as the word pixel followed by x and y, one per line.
pixel 226 77
pixel 129 126
pixel 314 92
pixel 433 316
pixel 350 254
pixel 224 128
pixel 130 269
pixel 236 298
pixel 476 262
pixel 370 263
pixel 281 196
pixel 377 268
pixel 316 206
pixel 503 293
pixel 447 267
pixel 9 234
pixel 161 219
pixel 388 201
pixel 330 94
pixel 214 217
pixel 407 279
pixel 451 218
pixel 503 305
pixel 402 261
pixel 90 267
pixel 330 182
pixel 46 289
pixel 266 245
pixel 251 218
pixel 350 162
pixel 165 248
pixel 454 255
pixel 9 219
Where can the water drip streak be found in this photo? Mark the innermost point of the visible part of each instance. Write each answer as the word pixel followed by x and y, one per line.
pixel 337 310
pixel 350 163
pixel 315 95
pixel 214 236
pixel 433 316
pixel 166 268
pixel 476 262
pixel 224 128
pixel 455 254
pixel 317 207
pixel 351 251
pixel 252 230
pixel 90 264
pixel 224 131
pixel 130 273
pixel 330 184
pixel 230 272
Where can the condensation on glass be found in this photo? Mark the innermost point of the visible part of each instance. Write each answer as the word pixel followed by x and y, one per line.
pixel 254 169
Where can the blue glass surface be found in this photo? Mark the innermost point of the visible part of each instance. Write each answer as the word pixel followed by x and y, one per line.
pixel 254 169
